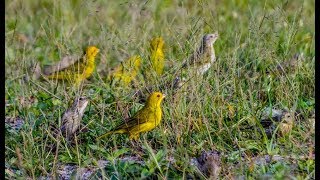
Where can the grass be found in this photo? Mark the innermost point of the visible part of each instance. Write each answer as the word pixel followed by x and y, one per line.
pixel 254 37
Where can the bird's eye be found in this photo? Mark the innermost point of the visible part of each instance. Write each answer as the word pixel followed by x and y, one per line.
pixel 158 95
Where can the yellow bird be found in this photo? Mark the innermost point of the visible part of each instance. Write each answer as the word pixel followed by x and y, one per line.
pixel 157 55
pixel 126 71
pixel 78 70
pixel 144 120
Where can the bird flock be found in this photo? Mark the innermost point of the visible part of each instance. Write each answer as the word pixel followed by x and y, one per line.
pixel 76 70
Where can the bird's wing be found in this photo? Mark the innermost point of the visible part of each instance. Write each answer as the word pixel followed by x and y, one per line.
pixel 67 118
pixel 139 118
pixel 195 55
pixel 131 122
pixel 64 63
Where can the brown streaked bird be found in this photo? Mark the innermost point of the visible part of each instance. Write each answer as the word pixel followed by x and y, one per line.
pixel 286 124
pixel 209 163
pixel 204 56
pixel 287 66
pixel 72 117
pixel 199 62
pixel 273 117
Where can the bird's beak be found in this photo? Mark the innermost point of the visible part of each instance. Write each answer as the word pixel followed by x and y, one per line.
pixel 163 96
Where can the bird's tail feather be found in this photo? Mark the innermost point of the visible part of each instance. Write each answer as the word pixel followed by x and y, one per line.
pixel 120 131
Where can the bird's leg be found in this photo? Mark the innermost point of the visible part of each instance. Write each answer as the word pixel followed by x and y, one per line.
pixel 134 140
pixel 133 145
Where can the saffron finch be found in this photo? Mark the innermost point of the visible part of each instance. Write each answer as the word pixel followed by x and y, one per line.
pixel 126 71
pixel 72 117
pixel 157 55
pixel 144 120
pixel 79 70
